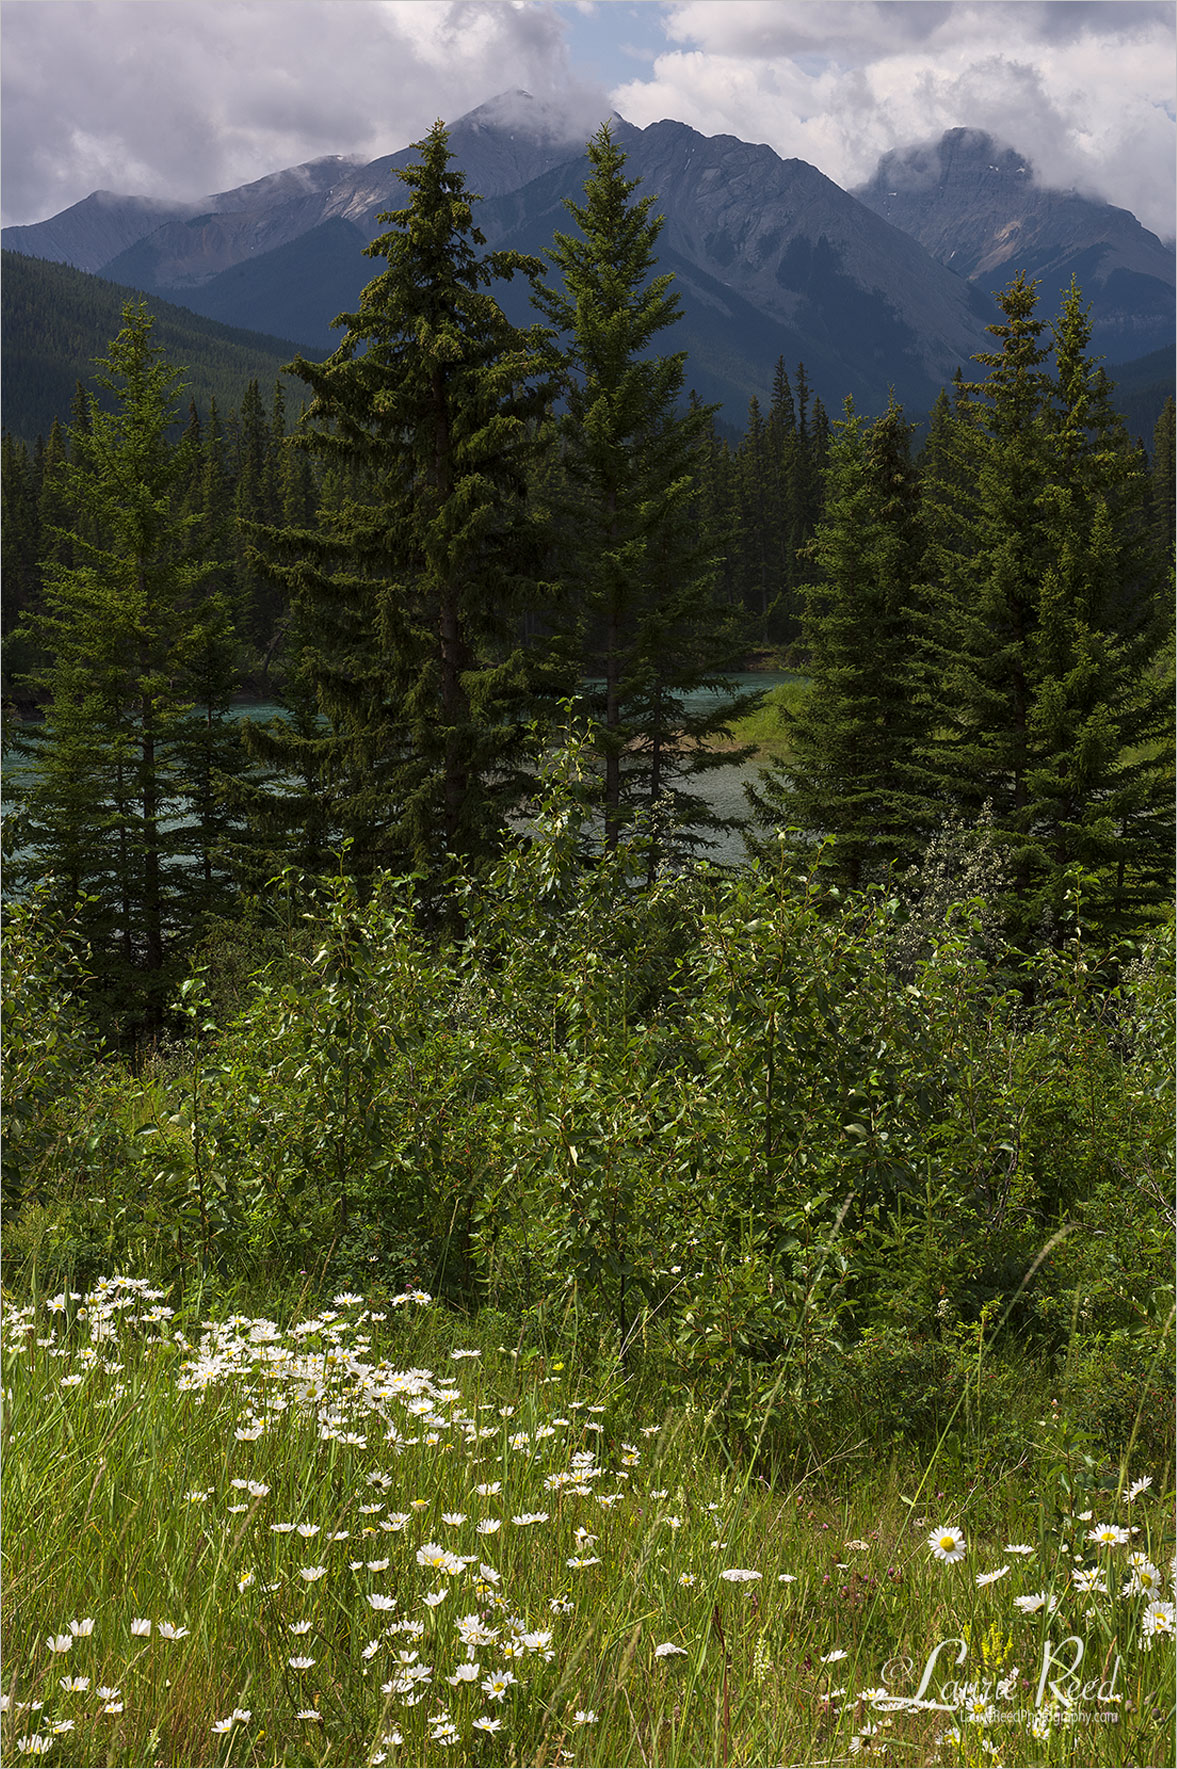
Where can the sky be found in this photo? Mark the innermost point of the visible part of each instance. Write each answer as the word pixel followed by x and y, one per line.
pixel 185 98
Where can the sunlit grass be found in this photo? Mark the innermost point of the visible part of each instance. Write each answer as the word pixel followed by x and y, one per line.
pixel 377 1535
pixel 764 727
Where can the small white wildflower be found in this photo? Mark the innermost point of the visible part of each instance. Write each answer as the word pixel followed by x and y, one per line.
pixel 1158 1617
pixel 991 1578
pixel 1108 1535
pixel 947 1545
pixel 1034 1601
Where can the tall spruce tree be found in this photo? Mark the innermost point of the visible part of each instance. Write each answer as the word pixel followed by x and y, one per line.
pixel 1047 633
pixel 641 565
pixel 107 811
pixel 409 592
pixel 1101 727
pixel 855 741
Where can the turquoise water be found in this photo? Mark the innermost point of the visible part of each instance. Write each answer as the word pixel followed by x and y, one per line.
pixel 722 787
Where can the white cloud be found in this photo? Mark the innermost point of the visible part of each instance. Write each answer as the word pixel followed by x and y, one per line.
pixel 182 98
pixel 1084 91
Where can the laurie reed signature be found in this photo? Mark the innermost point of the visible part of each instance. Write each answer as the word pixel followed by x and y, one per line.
pixel 1066 1689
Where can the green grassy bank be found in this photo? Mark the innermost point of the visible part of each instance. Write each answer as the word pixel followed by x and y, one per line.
pixel 373 1533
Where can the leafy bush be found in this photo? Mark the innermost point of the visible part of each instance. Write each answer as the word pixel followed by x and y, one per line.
pixel 711 1130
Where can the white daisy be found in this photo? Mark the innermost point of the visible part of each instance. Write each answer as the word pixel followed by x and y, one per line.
pixel 947 1544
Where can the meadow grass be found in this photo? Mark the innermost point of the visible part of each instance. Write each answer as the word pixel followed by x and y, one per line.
pixel 375 1534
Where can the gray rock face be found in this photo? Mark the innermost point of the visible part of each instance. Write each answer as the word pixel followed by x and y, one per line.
pixel 91 234
pixel 88 234
pixel 782 233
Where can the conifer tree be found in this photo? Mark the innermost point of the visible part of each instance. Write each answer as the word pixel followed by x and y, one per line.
pixel 260 599
pixel 990 556
pixel 855 742
pixel 1101 776
pixel 643 574
pixel 761 541
pixel 784 458
pixel 719 514
pixel 106 811
pixel 1164 478
pixel 20 535
pixel 1045 640
pixel 56 536
pixel 409 592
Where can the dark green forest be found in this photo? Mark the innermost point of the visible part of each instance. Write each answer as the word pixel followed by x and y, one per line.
pixel 58 320
pixel 431 973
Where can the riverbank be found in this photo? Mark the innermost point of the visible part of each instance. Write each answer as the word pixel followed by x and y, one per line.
pixel 765 727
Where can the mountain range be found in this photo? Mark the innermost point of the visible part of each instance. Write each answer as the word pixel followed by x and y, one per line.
pixel 886 287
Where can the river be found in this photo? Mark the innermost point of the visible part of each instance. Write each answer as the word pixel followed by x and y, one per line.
pixel 721 787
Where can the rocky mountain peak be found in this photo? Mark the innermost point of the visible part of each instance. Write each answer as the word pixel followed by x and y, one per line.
pixel 517 112
pixel 965 169
pixel 975 205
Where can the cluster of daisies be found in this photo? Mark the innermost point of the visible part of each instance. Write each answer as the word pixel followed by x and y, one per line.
pixel 1093 1573
pixel 441 1682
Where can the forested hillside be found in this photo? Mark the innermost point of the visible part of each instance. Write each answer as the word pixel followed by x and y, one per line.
pixel 57 320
